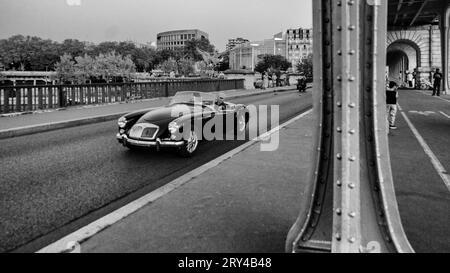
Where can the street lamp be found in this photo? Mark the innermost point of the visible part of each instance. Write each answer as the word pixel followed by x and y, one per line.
pixel 253 58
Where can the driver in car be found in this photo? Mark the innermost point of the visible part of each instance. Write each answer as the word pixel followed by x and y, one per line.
pixel 221 105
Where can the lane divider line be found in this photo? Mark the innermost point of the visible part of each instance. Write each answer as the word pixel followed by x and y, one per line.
pixel 434 160
pixel 444 114
pixel 83 234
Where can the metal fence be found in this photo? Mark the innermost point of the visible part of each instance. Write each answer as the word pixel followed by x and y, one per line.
pixel 41 97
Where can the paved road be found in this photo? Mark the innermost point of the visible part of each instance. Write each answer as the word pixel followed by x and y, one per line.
pixel 423 196
pixel 53 183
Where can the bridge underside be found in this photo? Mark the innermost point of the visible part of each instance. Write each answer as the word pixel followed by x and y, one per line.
pixel 410 13
pixel 424 25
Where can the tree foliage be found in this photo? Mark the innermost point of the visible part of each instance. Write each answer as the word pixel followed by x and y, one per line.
pixel 185 67
pixel 65 69
pixel 182 66
pixel 29 53
pixel 104 67
pixel 306 66
pixel 169 65
pixel 274 63
pixel 191 52
pixel 224 63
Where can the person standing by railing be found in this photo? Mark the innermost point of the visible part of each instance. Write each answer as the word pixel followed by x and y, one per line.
pixel 265 80
pixel 437 83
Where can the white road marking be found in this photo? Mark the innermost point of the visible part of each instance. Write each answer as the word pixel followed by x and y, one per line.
pixel 81 235
pixel 434 160
pixel 444 114
pixel 423 113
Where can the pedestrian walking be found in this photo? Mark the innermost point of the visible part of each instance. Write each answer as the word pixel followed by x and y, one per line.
pixel 391 104
pixel 278 78
pixel 437 83
pixel 301 84
pixel 416 78
pixel 265 81
pixel 410 78
pixel 275 80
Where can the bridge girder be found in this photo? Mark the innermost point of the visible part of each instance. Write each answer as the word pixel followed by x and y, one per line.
pixel 353 206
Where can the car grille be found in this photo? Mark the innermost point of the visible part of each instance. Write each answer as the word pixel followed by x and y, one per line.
pixel 149 133
pixel 144 131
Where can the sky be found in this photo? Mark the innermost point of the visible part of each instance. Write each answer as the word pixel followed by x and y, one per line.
pixel 140 20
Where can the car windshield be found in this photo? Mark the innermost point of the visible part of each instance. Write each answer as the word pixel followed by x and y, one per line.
pixel 196 98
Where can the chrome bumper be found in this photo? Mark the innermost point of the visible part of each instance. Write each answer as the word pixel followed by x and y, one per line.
pixel 157 143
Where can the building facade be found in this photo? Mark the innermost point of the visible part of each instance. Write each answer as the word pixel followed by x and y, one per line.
pixel 177 38
pixel 299 45
pixel 294 44
pixel 415 50
pixel 232 43
pixel 247 55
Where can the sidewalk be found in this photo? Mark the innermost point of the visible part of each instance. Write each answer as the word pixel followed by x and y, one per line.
pixel 246 203
pixel 16 125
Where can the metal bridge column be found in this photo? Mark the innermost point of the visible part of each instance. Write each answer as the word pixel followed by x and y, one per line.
pixel 353 207
pixel 445 28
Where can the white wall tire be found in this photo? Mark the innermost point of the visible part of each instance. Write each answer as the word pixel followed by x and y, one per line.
pixel 190 145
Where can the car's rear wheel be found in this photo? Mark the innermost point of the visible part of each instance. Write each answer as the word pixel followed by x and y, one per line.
pixel 190 145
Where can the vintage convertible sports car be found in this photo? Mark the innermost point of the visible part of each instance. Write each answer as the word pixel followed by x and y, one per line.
pixel 180 124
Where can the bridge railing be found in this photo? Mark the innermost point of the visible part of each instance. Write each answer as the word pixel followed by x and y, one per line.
pixel 41 97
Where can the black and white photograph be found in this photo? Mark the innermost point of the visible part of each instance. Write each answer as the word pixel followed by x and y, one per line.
pixel 229 135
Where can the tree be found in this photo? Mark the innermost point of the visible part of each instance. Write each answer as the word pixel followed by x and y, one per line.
pixel 272 63
pixel 185 67
pixel 125 66
pixel 190 48
pixel 46 55
pixel 306 66
pixel 28 53
pixel 103 48
pixel 107 67
pixel 224 63
pixel 73 47
pixel 112 66
pixel 85 68
pixel 169 65
pixel 33 53
pixel 65 69
pixel 145 59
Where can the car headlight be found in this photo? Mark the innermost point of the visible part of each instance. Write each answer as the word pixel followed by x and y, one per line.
pixel 122 122
pixel 173 127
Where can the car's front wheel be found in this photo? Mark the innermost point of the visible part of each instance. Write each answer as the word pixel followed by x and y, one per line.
pixel 190 145
pixel 240 124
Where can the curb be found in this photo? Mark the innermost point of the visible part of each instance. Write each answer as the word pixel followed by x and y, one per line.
pixel 34 129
